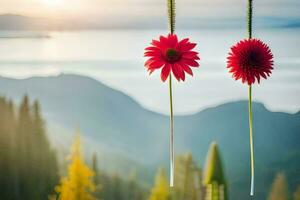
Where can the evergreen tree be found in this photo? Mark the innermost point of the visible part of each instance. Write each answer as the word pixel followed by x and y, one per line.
pixel 161 190
pixel 44 158
pixel 297 193
pixel 96 176
pixel 133 191
pixel 78 185
pixel 118 187
pixel 28 165
pixel 214 179
pixel 7 165
pixel 25 151
pixel 107 189
pixel 115 187
pixel 279 188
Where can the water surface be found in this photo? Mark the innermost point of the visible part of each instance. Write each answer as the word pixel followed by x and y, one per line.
pixel 115 57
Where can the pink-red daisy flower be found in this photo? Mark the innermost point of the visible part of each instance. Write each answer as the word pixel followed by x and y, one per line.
pixel 169 54
pixel 249 60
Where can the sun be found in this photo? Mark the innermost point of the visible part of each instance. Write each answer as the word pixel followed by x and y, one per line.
pixel 53 2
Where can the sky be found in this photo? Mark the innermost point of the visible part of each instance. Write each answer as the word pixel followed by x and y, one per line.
pixel 134 9
pixel 18 55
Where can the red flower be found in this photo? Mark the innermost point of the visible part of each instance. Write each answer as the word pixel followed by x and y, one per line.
pixel 249 60
pixel 170 54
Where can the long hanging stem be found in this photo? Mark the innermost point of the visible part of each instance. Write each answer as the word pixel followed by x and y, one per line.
pixel 171 134
pixel 250 13
pixel 171 16
pixel 251 140
pixel 212 192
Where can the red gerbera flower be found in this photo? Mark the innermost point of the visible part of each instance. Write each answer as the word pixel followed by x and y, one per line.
pixel 249 60
pixel 170 54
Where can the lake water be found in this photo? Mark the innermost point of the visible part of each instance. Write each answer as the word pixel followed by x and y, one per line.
pixel 115 57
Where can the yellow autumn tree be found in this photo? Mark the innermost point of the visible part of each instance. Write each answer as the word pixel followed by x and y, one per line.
pixel 78 185
pixel 279 188
pixel 161 190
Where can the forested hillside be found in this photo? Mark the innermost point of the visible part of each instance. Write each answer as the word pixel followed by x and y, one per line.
pixel 125 141
pixel 28 165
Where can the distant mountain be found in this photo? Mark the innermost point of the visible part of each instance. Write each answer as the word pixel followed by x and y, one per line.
pixel 19 22
pixel 12 22
pixel 113 122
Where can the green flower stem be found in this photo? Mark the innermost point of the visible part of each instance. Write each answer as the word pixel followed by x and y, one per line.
pixel 171 16
pixel 171 134
pixel 250 13
pixel 251 140
pixel 212 191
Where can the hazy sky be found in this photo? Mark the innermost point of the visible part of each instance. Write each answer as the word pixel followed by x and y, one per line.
pixel 147 8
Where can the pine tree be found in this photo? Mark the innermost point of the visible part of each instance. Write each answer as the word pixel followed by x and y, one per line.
pixel 24 145
pixel 96 176
pixel 297 193
pixel 214 179
pixel 160 191
pixel 133 191
pixel 44 158
pixel 279 188
pixel 117 186
pixel 111 186
pixel 78 185
pixel 7 165
pixel 28 165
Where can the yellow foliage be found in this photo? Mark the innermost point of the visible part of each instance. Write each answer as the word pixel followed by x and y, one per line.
pixel 279 189
pixel 78 185
pixel 161 190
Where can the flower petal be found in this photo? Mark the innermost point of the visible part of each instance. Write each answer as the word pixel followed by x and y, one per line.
pixel 190 62
pixel 250 60
pixel 190 55
pixel 165 72
pixel 187 47
pixel 176 71
pixel 187 69
pixel 169 54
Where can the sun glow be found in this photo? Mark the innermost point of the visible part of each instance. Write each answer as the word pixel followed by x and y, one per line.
pixel 53 2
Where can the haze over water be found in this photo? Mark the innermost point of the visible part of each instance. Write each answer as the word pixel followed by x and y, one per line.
pixel 115 57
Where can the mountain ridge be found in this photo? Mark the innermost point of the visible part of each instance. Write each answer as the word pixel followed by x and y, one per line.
pixel 113 119
pixel 19 22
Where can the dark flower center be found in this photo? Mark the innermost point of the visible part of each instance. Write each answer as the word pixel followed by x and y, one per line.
pixel 252 60
pixel 172 55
